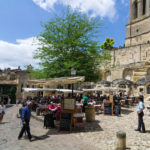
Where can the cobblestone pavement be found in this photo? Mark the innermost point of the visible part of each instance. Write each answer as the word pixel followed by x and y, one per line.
pixel 106 138
pixel 43 139
pixel 99 135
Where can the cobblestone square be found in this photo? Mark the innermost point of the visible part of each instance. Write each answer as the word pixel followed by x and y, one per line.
pixel 91 139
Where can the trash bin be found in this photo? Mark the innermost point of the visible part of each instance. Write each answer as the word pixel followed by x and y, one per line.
pixel 38 111
pixel 90 113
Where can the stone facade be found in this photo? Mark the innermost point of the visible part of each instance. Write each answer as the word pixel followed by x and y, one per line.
pixel 138 29
pixel 133 61
pixel 13 78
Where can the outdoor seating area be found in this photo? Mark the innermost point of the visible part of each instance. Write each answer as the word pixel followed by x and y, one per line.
pixel 50 108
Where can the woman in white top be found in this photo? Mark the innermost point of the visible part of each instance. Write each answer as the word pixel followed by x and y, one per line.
pixel 2 111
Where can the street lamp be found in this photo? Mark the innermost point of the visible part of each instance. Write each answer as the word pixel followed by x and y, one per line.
pixel 73 73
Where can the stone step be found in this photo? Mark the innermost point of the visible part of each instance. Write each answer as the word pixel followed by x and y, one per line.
pixel 141 70
pixel 139 73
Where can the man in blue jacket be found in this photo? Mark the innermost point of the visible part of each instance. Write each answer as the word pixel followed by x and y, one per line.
pixel 25 117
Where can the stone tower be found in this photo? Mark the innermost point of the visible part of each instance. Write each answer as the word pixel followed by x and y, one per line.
pixel 138 29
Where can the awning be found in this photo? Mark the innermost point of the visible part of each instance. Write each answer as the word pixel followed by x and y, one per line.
pixel 37 89
pixel 48 89
pixel 57 81
pixel 102 89
pixel 69 91
pixel 90 90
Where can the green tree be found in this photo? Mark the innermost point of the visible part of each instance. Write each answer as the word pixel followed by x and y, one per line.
pixel 70 40
pixel 108 44
pixel 105 56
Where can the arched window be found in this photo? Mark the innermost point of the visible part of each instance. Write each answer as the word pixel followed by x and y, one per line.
pixel 127 74
pixel 144 7
pixel 108 76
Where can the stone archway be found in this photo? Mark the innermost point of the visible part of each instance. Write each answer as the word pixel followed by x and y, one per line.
pixel 127 74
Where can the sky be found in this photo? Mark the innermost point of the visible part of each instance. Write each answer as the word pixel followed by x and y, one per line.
pixel 20 23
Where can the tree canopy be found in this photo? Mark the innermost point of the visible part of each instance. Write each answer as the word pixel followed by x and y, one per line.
pixel 105 55
pixel 108 44
pixel 70 40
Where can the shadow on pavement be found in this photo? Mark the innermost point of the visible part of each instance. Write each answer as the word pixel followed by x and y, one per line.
pixel 89 127
pixel 4 123
pixel 147 131
pixel 36 138
pixel 126 111
pixel 9 105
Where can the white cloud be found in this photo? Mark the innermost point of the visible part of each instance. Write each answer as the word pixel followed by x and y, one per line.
pixel 101 8
pixel 125 2
pixel 20 54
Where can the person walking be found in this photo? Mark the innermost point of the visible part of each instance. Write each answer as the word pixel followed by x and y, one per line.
pixel 2 111
pixel 140 115
pixel 20 113
pixel 25 116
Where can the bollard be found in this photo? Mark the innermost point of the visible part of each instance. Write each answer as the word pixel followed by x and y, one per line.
pixel 38 111
pixel 121 140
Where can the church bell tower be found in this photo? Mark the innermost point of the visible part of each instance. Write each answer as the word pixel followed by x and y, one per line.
pixel 138 28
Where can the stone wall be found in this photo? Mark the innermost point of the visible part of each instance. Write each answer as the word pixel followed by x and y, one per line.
pixel 130 63
pixel 16 77
pixel 138 32
pixel 132 54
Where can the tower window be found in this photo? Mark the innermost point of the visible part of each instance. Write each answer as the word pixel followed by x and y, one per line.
pixel 135 9
pixel 144 7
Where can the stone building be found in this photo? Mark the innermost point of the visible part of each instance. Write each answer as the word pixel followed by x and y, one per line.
pixel 132 62
pixel 12 82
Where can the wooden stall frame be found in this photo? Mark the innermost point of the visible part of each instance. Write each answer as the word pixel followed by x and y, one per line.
pixel 111 108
